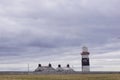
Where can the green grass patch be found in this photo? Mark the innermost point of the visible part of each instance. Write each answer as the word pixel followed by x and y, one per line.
pixel 62 77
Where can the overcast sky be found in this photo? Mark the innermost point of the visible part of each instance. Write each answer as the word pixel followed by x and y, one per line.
pixel 43 31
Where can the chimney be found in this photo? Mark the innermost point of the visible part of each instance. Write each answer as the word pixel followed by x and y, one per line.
pixel 39 65
pixel 50 65
pixel 68 66
pixel 59 65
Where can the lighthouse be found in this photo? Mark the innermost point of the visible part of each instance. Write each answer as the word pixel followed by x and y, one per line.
pixel 85 60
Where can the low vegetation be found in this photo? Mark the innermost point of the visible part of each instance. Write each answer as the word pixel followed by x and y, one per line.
pixel 62 77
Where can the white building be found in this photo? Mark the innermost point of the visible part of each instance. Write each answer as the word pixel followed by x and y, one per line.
pixel 49 68
pixel 64 69
pixel 41 68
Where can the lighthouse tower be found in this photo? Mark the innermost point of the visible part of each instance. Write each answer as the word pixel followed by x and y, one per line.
pixel 85 60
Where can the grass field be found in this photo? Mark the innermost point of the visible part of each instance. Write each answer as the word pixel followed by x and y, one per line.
pixel 62 77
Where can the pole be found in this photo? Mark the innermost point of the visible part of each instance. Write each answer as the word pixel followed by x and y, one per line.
pixel 28 68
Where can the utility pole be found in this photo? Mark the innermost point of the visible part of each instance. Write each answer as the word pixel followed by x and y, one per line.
pixel 28 68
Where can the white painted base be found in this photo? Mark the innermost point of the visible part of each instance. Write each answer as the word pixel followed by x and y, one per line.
pixel 85 56
pixel 85 68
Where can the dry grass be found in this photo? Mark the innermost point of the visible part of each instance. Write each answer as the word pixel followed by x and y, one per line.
pixel 62 77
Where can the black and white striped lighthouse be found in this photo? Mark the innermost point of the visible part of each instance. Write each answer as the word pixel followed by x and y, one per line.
pixel 85 60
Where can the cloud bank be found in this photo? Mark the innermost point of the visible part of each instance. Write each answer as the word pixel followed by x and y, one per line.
pixel 44 31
